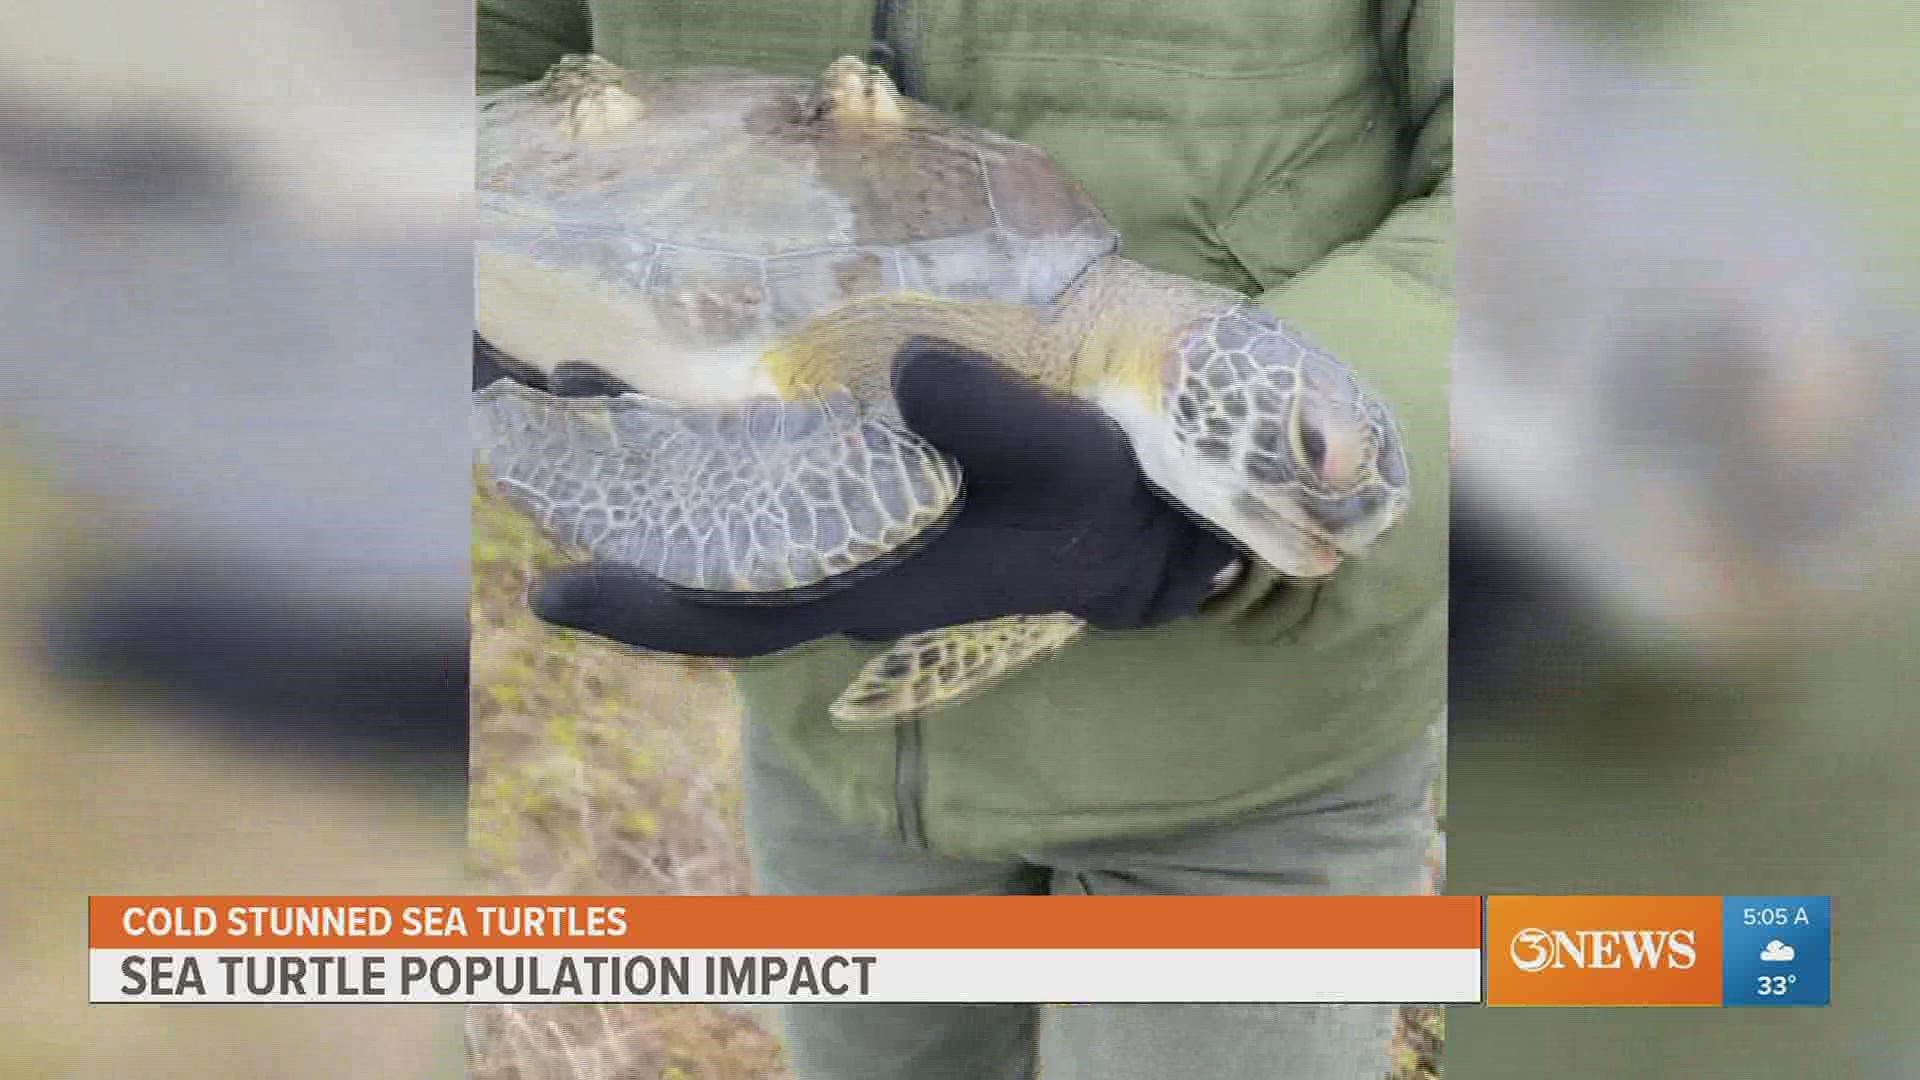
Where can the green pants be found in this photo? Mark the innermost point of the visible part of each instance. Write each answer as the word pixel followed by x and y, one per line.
pixel 1367 836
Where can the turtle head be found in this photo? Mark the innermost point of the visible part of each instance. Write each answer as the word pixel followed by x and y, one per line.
pixel 1273 441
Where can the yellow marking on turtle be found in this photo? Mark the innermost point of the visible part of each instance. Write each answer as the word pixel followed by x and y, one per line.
pixel 1125 352
pixel 853 346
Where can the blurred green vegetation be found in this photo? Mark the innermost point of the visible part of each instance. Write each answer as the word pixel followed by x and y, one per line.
pixel 597 770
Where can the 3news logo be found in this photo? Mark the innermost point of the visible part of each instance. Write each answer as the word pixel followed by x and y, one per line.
pixel 1603 950
pixel 1533 949
pixel 1656 950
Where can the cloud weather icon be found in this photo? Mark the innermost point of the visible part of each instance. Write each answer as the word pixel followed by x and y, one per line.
pixel 1777 951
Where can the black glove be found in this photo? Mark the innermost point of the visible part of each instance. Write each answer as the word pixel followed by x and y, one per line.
pixel 1056 517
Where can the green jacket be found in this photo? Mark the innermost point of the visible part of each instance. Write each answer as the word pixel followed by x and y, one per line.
pixel 1298 150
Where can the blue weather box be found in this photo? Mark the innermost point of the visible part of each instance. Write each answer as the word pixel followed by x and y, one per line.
pixel 1777 950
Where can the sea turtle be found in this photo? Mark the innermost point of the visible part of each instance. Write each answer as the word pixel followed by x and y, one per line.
pixel 746 253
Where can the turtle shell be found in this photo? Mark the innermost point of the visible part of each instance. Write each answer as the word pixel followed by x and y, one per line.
pixel 736 211
pixel 672 231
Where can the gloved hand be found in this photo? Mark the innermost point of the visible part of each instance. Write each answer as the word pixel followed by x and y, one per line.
pixel 1055 517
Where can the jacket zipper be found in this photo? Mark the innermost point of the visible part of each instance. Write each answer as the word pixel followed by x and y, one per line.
pixel 909 782
pixel 892 49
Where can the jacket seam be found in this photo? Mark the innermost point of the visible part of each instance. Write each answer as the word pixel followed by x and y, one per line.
pixel 1398 737
pixel 909 783
pixel 1026 56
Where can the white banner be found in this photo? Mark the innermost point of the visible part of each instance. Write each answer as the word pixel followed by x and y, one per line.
pixel 557 976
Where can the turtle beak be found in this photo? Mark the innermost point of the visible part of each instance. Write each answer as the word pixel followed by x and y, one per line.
pixel 1300 556
pixel 1283 545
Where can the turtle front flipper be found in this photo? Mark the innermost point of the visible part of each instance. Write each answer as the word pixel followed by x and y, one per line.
pixel 759 497
pixel 931 670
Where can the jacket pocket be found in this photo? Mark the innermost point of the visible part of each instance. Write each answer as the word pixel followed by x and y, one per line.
pixel 1333 195
pixel 1270 237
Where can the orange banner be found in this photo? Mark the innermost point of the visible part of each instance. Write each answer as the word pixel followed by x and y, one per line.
pixel 1611 950
pixel 785 922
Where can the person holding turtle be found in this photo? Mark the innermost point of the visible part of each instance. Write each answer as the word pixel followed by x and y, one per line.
pixel 1224 726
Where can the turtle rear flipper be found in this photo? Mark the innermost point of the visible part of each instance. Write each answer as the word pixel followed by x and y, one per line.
pixel 765 496
pixel 927 671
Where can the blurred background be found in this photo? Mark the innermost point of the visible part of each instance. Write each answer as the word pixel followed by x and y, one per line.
pixel 233 514
pixel 1684 392
pixel 235 495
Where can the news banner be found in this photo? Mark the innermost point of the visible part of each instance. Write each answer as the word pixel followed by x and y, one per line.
pixel 1442 950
